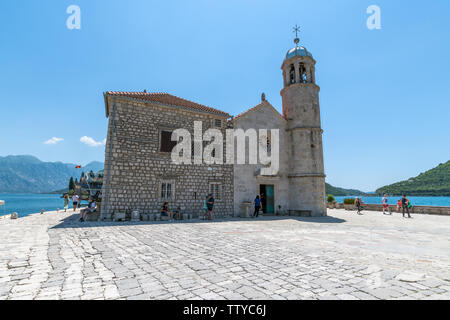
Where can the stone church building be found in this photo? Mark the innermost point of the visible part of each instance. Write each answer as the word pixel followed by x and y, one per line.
pixel 139 173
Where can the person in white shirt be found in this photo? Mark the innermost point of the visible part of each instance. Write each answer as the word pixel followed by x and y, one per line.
pixel 75 200
pixel 384 201
pixel 90 209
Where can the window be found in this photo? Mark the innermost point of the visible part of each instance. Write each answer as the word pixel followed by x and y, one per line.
pixel 215 189
pixel 302 71
pixel 218 123
pixel 269 141
pixel 166 144
pixel 292 75
pixel 167 190
pixel 266 140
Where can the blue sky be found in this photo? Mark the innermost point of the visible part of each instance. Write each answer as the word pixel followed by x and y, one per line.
pixel 384 93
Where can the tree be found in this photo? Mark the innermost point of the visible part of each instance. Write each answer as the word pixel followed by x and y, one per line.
pixel 71 184
pixel 330 198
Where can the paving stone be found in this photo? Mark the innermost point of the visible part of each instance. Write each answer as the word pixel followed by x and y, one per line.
pixel 55 257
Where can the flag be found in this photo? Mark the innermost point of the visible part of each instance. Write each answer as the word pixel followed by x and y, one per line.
pixel 78 167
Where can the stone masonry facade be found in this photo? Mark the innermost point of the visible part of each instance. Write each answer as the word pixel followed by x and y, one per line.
pixel 140 175
pixel 136 169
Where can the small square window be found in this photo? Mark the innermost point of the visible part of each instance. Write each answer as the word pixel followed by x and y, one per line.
pixel 218 123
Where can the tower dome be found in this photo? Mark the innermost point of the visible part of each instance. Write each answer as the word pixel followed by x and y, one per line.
pixel 299 52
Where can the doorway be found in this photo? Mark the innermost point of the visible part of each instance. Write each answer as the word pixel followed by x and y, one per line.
pixel 267 194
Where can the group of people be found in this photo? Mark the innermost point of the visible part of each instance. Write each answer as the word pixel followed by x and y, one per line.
pixel 75 201
pixel 92 206
pixel 403 204
pixel 208 206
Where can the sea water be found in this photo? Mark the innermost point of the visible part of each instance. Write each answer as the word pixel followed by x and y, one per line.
pixel 415 201
pixel 25 204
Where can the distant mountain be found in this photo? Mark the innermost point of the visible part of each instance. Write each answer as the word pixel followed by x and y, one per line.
pixel 434 182
pixel 28 174
pixel 335 191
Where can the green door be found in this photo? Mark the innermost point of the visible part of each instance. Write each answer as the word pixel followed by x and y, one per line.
pixel 270 199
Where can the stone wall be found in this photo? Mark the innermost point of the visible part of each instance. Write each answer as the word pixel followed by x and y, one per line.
pixel 138 167
pixel 247 181
pixel 416 209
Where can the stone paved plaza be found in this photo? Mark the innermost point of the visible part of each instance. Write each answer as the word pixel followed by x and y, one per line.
pixel 343 256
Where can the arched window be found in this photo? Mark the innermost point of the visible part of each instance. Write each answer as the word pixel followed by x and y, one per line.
pixel 302 72
pixel 292 74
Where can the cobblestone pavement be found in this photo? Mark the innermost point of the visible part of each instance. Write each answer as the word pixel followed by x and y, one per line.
pixel 343 256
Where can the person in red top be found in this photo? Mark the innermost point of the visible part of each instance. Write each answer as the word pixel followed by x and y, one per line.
pixel 399 205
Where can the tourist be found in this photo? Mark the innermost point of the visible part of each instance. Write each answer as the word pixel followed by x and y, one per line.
pixel 399 205
pixel 75 200
pixel 405 206
pixel 358 205
pixel 90 209
pixel 178 213
pixel 384 201
pixel 205 207
pixel 257 206
pixel 210 206
pixel 165 211
pixel 66 202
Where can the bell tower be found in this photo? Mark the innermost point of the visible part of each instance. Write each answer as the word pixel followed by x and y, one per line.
pixel 300 96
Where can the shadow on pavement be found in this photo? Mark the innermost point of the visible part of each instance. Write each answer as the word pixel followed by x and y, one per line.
pixel 73 221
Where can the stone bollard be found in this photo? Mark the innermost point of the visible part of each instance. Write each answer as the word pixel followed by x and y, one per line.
pixel 135 216
pixel 14 215
pixel 245 209
pixel 119 216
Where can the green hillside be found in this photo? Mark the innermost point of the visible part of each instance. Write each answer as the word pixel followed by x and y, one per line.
pixel 329 189
pixel 28 174
pixel 434 182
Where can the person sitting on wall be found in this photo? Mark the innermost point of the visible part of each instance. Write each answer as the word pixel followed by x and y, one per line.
pixel 177 213
pixel 90 209
pixel 165 211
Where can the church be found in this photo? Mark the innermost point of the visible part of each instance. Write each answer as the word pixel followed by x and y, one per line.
pixel 139 173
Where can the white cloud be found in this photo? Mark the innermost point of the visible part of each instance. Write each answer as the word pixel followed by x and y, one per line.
pixel 53 140
pixel 91 142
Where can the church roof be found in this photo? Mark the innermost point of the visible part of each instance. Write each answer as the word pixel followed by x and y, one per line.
pixel 167 99
pixel 298 51
pixel 263 103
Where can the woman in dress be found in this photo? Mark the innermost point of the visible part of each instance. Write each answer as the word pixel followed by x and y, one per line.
pixel 66 202
pixel 358 205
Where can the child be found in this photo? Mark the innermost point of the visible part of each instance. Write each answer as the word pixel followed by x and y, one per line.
pixel 384 201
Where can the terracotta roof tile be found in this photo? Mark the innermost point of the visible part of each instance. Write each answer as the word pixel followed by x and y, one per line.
pixel 165 98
